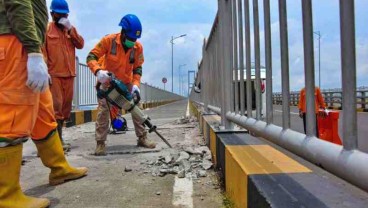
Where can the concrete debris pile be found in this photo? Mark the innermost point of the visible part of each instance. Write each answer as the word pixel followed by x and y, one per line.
pixel 191 162
pixel 186 120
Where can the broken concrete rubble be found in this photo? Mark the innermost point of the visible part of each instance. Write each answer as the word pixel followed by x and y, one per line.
pixel 181 174
pixel 202 173
pixel 191 163
pixel 206 164
pixel 188 159
pixel 182 156
pixel 185 120
pixel 168 159
pixel 127 169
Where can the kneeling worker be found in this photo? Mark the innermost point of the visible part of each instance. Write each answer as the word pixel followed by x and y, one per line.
pixel 26 102
pixel 123 56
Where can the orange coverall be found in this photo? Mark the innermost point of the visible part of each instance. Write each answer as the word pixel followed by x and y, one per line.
pixel 23 113
pixel 119 64
pixel 318 103
pixel 60 53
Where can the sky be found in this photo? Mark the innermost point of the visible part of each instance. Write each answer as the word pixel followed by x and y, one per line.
pixel 162 19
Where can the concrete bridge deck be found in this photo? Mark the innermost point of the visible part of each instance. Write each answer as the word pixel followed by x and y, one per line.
pixel 109 184
pixel 131 177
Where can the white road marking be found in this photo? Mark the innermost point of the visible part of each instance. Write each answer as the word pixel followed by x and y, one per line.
pixel 183 191
pixel 280 111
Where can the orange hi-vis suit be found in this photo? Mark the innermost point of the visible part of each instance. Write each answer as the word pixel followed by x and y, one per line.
pixel 24 112
pixel 117 61
pixel 110 55
pixel 319 102
pixel 60 53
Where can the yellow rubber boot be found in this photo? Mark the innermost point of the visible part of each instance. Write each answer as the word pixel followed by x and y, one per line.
pixel 52 156
pixel 11 195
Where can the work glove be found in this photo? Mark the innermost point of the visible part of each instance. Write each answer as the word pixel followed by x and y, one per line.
pixel 38 76
pixel 324 113
pixel 327 112
pixel 103 76
pixel 135 88
pixel 66 23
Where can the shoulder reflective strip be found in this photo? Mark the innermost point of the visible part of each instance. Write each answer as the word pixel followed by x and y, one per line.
pixel 131 57
pixel 113 47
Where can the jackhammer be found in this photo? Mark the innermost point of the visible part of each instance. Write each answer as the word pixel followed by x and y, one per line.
pixel 118 94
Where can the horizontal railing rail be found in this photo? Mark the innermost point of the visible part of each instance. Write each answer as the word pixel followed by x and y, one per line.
pixel 333 99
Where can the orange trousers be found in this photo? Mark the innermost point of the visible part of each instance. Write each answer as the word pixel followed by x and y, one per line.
pixel 23 113
pixel 62 96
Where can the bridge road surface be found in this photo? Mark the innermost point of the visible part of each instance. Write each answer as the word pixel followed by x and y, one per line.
pixel 108 185
pixel 297 124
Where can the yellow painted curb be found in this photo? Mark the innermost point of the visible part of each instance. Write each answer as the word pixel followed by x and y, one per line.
pixel 245 160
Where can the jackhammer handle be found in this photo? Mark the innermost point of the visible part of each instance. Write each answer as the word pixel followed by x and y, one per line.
pixel 136 97
pixel 148 123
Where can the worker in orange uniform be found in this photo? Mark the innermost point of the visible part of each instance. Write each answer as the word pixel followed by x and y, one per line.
pixel 26 102
pixel 319 103
pixel 61 41
pixel 124 58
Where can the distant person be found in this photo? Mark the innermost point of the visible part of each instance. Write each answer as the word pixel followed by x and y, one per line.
pixel 61 41
pixel 123 56
pixel 319 103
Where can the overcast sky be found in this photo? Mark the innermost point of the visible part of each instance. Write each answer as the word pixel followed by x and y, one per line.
pixel 162 19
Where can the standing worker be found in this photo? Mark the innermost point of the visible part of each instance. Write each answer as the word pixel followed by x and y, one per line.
pixel 319 103
pixel 123 56
pixel 26 102
pixel 61 41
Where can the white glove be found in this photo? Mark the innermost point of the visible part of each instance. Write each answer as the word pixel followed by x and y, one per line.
pixel 103 76
pixel 66 23
pixel 38 76
pixel 327 111
pixel 135 88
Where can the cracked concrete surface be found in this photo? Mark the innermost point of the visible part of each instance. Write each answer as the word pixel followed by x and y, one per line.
pixel 108 184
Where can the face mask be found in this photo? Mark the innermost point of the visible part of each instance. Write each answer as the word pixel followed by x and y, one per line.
pixel 129 44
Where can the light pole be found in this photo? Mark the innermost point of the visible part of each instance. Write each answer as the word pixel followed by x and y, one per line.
pixel 318 33
pixel 180 80
pixel 172 59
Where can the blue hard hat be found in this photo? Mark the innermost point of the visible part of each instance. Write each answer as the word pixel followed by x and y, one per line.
pixel 59 6
pixel 132 26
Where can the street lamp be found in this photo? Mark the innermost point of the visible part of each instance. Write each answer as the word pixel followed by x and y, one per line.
pixel 180 80
pixel 318 33
pixel 172 59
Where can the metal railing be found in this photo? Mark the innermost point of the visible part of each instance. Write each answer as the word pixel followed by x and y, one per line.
pixel 85 92
pixel 223 53
pixel 333 99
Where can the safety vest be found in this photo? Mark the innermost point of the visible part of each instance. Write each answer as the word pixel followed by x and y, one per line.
pixel 113 51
